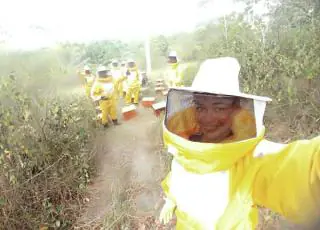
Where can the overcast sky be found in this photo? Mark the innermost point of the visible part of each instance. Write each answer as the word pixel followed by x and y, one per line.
pixel 85 20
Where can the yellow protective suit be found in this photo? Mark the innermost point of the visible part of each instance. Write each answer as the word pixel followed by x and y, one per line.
pixel 89 80
pixel 81 75
pixel 108 106
pixel 219 186
pixel 134 86
pixel 118 81
pixel 122 88
pixel 175 76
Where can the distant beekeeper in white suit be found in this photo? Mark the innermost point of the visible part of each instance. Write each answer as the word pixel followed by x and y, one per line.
pixel 175 73
pixel 223 167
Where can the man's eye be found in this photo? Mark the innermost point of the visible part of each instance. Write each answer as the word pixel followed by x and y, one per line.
pixel 199 109
pixel 219 109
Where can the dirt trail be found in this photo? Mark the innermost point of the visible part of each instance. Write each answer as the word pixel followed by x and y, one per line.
pixel 128 161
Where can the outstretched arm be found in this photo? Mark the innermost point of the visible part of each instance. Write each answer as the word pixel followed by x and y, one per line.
pixel 288 182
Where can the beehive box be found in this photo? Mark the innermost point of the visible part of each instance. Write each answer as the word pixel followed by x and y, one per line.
pixel 129 112
pixel 148 101
pixel 159 107
pixel 159 89
pixel 159 84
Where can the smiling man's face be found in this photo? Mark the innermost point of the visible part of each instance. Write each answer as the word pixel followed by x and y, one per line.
pixel 214 115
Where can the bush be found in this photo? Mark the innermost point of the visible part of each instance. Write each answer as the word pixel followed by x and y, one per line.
pixel 45 157
pixel 189 72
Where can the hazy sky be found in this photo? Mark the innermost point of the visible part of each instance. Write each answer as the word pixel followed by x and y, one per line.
pixel 85 20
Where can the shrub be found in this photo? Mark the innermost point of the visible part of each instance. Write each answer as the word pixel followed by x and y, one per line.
pixel 189 72
pixel 45 157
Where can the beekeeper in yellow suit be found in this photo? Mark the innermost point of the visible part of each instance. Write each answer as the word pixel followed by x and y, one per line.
pixel 174 75
pixel 118 78
pixel 133 83
pixel 103 91
pixel 123 87
pixel 88 80
pixel 82 74
pixel 223 168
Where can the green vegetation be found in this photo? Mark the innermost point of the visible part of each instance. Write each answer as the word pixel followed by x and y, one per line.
pixel 45 144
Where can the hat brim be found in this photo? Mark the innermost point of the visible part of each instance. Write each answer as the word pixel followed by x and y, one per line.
pixel 239 94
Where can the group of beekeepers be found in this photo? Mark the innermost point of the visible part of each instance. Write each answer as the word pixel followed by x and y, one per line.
pixel 109 84
pixel 122 80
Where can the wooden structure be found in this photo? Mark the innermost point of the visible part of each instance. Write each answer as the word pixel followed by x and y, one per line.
pixel 159 89
pixel 148 101
pixel 159 107
pixel 129 112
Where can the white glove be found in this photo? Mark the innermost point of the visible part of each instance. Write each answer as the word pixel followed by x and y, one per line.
pixel 167 211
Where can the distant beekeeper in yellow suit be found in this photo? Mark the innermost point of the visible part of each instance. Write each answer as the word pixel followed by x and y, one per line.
pixel 118 78
pixel 82 74
pixel 88 80
pixel 223 168
pixel 123 86
pixel 103 91
pixel 175 77
pixel 133 83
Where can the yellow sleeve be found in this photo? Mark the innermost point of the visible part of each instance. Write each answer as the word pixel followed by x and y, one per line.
pixel 288 182
pixel 121 79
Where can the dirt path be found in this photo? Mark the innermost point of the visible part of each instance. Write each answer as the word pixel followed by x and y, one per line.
pixel 129 173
